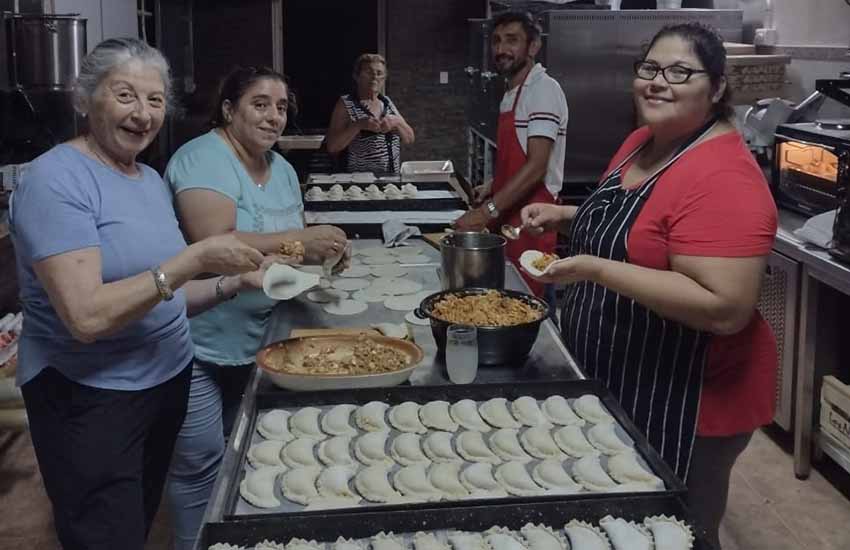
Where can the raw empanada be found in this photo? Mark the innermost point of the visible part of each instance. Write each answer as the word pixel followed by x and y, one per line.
pixel 405 450
pixel 590 408
pixel 626 535
pixel 514 479
pixel 275 425
pixel 335 451
pixel 604 437
pixel 552 475
pixel 501 538
pixel 558 411
pixel 305 423
pixel 333 483
pixel 445 478
pixel 506 444
pixel 335 421
pixel 265 453
pixel 585 536
pixel 572 441
pixel 435 414
pixel 478 478
pixel 369 448
pixel 343 543
pixel 461 540
pixel 625 468
pixel 539 443
pixel 526 410
pixel 541 537
pixel 372 484
pixel 413 482
pixel 269 545
pixel 670 533
pixel 225 546
pixel 299 484
pixel 427 541
pixel 299 453
pixel 388 541
pixel 438 447
pixel 405 417
pixel 465 413
pixel 588 471
pixel 301 544
pixel 258 486
pixel 471 446
pixel 370 417
pixel 495 412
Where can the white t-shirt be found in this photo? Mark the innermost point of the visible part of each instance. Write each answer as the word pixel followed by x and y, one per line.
pixel 542 111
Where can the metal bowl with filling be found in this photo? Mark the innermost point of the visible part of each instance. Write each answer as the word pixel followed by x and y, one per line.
pixel 509 341
pixel 339 361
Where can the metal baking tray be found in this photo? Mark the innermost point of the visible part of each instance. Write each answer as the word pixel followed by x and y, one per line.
pixel 455 203
pixel 327 526
pixel 374 231
pixel 236 507
pixel 420 185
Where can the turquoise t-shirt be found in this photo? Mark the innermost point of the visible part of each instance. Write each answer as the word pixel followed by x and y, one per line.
pixel 230 333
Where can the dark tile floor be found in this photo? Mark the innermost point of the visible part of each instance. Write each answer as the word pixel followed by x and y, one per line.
pixel 769 508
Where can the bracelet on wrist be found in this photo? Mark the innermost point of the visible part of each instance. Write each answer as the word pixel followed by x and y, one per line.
pixel 161 282
pixel 219 291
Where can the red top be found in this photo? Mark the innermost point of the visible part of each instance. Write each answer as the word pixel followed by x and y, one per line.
pixel 714 201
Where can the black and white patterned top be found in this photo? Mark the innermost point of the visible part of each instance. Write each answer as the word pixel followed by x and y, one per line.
pixel 370 151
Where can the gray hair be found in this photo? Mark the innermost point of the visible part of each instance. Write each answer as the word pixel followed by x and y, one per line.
pixel 113 53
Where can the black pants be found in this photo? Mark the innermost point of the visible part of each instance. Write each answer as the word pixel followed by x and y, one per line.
pixel 103 455
pixel 708 479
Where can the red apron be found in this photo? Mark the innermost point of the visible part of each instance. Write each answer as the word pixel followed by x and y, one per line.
pixel 509 159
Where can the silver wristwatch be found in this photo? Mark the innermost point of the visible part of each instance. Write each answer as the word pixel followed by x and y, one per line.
pixel 161 282
pixel 491 209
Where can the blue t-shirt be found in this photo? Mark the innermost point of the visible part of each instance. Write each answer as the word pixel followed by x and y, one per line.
pixel 230 333
pixel 68 201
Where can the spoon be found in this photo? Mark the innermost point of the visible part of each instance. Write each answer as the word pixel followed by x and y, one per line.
pixel 511 232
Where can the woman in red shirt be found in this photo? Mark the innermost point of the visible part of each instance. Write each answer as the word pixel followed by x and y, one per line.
pixel 668 257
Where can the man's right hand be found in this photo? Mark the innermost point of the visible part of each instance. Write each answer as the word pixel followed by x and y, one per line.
pixel 540 217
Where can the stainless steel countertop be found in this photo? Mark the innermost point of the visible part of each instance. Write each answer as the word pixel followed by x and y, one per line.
pixel 816 259
pixel 548 360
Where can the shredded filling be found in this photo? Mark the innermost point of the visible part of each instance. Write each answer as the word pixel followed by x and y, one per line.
pixel 543 261
pixel 365 357
pixel 491 309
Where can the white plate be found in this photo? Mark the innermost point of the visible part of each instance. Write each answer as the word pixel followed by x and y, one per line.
pixel 370 294
pixel 402 303
pixel 345 307
pixel 284 282
pixel 327 295
pixel 350 284
pixel 356 271
pixel 414 320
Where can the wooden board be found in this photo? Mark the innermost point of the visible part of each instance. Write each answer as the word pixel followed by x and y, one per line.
pixel 434 238
pixel 306 332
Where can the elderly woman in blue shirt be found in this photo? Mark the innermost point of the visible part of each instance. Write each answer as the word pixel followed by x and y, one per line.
pixel 106 281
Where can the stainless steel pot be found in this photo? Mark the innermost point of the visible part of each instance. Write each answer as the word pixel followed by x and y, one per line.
pixel 471 259
pixel 496 345
pixel 47 50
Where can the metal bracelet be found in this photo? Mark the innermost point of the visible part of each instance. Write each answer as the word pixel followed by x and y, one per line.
pixel 161 282
pixel 219 290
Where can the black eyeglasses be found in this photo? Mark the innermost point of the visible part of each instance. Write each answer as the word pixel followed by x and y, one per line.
pixel 673 74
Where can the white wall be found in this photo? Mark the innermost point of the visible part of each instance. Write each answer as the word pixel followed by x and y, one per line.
pixel 798 22
pixel 106 18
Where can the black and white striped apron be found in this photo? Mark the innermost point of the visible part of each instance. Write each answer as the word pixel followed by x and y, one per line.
pixel 654 366
pixel 370 151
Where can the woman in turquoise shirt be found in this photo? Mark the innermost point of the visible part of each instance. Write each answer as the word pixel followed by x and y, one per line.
pixel 229 181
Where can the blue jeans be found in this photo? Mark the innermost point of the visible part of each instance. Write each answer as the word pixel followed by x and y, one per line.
pixel 214 398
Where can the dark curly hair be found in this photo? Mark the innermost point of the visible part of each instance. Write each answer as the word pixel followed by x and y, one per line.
pixel 531 28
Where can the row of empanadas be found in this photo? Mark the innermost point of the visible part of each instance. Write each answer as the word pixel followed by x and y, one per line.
pixel 410 417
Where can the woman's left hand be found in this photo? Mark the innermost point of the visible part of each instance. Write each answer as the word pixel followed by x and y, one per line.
pixel 568 270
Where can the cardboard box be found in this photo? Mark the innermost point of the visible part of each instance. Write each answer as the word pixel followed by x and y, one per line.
pixel 835 410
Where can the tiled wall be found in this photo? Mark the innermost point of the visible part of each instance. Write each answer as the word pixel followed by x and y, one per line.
pixel 425 37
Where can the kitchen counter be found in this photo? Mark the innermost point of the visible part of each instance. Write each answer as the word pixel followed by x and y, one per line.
pixel 818 268
pixel 548 360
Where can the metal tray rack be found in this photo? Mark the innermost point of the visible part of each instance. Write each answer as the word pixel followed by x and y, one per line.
pixel 327 526
pixel 235 508
pixel 403 205
pixel 420 185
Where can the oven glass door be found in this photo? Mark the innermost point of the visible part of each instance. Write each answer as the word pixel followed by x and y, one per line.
pixel 808 176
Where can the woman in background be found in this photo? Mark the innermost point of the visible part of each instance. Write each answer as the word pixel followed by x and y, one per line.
pixel 368 123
